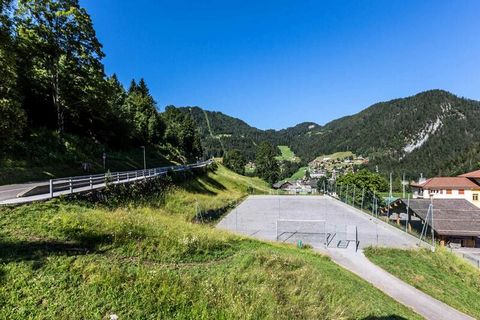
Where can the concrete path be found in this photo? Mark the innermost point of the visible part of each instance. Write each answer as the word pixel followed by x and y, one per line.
pixel 404 293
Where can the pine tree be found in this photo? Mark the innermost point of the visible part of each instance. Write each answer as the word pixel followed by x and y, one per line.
pixel 266 165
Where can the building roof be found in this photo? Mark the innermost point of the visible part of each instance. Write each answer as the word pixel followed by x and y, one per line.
pixel 454 217
pixel 281 184
pixel 447 183
pixel 473 175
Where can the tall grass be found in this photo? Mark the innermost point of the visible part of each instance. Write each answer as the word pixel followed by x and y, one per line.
pixel 442 274
pixel 73 260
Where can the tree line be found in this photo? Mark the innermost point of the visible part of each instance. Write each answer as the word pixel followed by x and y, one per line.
pixel 53 78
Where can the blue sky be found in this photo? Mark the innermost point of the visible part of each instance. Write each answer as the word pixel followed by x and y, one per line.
pixel 278 63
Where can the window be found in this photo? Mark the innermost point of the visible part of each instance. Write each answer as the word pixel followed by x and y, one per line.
pixel 461 191
pixel 449 191
pixel 475 197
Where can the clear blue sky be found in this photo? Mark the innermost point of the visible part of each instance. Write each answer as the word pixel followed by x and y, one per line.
pixel 277 63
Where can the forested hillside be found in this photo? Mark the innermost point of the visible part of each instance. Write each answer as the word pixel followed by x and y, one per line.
pixel 220 132
pixel 58 107
pixel 433 132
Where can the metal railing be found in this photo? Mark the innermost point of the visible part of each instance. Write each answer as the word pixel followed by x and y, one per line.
pixel 70 185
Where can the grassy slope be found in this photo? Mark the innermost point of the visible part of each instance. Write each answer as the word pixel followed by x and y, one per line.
pixel 337 155
pixel 300 174
pixel 287 154
pixel 73 260
pixel 441 274
pixel 48 156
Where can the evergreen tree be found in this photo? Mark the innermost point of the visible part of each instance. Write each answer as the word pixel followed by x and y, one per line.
pixel 182 132
pixel 236 161
pixel 141 112
pixel 266 165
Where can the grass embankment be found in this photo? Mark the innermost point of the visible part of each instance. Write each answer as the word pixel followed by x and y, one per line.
pixel 48 155
pixel 74 260
pixel 300 174
pixel 442 275
pixel 287 154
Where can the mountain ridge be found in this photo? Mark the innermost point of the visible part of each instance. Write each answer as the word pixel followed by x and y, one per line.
pixel 431 132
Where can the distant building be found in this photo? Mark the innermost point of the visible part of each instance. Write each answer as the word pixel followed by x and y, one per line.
pixel 296 187
pixel 448 188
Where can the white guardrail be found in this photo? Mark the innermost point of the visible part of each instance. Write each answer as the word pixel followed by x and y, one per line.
pixel 70 185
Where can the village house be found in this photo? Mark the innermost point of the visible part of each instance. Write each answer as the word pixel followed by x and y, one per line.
pixel 297 187
pixel 465 187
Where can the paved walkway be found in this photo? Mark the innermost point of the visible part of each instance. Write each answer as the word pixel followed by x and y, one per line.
pixel 404 293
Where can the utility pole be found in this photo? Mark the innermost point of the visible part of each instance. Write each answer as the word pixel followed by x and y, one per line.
pixel 431 226
pixel 403 185
pixel 390 195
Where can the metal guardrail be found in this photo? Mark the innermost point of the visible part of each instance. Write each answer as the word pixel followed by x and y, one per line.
pixel 77 184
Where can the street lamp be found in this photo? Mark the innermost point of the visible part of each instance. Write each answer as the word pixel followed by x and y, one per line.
pixel 144 160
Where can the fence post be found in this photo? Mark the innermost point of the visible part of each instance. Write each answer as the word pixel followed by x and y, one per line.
pixel 354 187
pixel 91 183
pixel 70 185
pixel 363 195
pixel 51 188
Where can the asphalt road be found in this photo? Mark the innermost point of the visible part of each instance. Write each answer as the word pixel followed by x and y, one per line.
pixel 11 191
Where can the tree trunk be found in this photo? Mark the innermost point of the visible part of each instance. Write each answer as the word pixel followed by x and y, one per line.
pixel 56 101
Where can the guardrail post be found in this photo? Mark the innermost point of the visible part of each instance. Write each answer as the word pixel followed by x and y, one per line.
pixel 128 177
pixel 91 183
pixel 51 188
pixel 118 177
pixel 70 185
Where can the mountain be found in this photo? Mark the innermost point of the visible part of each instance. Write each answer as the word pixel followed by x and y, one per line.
pixel 433 132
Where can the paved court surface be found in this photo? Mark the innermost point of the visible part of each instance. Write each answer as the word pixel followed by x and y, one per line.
pixel 257 216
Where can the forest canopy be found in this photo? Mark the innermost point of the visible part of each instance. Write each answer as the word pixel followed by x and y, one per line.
pixel 53 79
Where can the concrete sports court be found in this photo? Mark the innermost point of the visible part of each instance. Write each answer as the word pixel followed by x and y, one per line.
pixel 320 221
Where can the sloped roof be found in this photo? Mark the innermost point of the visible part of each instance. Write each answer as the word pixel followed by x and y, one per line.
pixel 281 184
pixel 473 175
pixel 447 183
pixel 450 216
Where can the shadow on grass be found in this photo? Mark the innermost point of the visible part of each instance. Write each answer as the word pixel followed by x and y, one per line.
pixel 203 186
pixel 38 251
pixel 389 317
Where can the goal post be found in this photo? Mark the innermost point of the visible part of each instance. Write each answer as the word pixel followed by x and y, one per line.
pixel 312 232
